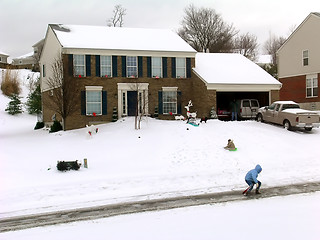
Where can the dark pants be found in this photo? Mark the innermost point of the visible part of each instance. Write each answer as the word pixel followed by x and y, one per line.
pixel 251 184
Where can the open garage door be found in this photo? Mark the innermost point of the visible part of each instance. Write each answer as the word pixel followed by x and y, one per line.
pixel 225 98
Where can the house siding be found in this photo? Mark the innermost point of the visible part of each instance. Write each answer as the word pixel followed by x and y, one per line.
pixel 291 68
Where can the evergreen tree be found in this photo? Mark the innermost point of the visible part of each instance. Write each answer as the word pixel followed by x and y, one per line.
pixel 34 101
pixel 15 105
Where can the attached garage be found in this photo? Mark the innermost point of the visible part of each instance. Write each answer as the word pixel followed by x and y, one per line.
pixel 233 76
pixel 224 98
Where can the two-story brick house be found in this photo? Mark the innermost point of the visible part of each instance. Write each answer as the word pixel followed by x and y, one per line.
pixel 117 66
pixel 149 70
pixel 299 64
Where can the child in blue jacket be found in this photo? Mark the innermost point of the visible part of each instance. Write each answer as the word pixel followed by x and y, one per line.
pixel 251 179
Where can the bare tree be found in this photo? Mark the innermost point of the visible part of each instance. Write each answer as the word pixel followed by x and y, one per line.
pixel 141 103
pixel 206 31
pixel 65 91
pixel 247 45
pixel 272 45
pixel 118 14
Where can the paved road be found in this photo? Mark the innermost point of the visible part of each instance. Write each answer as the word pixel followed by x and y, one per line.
pixel 90 213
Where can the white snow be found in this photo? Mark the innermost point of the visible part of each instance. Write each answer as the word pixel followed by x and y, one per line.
pixel 231 68
pixel 291 217
pixel 164 158
pixel 264 59
pixel 116 38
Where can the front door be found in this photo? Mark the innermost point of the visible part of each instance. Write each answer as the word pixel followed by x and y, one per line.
pixel 132 102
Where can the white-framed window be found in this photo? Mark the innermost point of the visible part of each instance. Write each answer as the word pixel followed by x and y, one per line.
pixel 169 100
pixel 312 85
pixel 132 67
pixel 156 63
pixel 93 101
pixel 305 57
pixel 105 66
pixel 180 67
pixel 79 65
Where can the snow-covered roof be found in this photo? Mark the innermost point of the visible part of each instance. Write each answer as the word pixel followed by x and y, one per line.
pixel 115 38
pixel 231 68
pixel 4 54
pixel 264 59
pixel 286 102
pixel 28 55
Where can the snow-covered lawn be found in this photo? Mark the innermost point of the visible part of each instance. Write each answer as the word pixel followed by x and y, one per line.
pixel 292 217
pixel 164 158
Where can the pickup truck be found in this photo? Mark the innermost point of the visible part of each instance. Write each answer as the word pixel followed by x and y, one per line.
pixel 290 115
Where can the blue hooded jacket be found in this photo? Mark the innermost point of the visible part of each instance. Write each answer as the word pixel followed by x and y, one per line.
pixel 253 174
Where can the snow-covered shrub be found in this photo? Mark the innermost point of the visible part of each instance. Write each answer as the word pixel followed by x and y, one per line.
pixel 56 127
pixel 65 166
pixel 39 125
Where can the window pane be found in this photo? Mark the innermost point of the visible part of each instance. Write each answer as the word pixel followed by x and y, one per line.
pixel 94 102
pixel 78 60
pixel 180 67
pixel 132 69
pixel 132 61
pixel 156 67
pixel 169 102
pixel 79 65
pixel 315 92
pixel 315 82
pixel 309 92
pixel 181 62
pixel 309 83
pixel 106 66
pixel 246 104
pixel 181 73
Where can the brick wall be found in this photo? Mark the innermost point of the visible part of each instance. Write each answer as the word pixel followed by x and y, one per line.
pixel 191 88
pixel 294 88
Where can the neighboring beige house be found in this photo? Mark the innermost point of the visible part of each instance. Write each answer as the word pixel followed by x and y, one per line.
pixel 3 59
pixel 30 60
pixel 130 68
pixel 37 50
pixel 299 64
pixel 26 61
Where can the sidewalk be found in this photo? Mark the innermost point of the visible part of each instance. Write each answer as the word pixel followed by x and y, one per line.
pixel 91 213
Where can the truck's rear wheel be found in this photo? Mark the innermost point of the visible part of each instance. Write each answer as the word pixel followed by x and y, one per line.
pixel 287 125
pixel 259 117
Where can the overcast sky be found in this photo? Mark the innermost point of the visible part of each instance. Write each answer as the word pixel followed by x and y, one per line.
pixel 24 22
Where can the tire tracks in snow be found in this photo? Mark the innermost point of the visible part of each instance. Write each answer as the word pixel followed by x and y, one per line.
pixel 109 210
